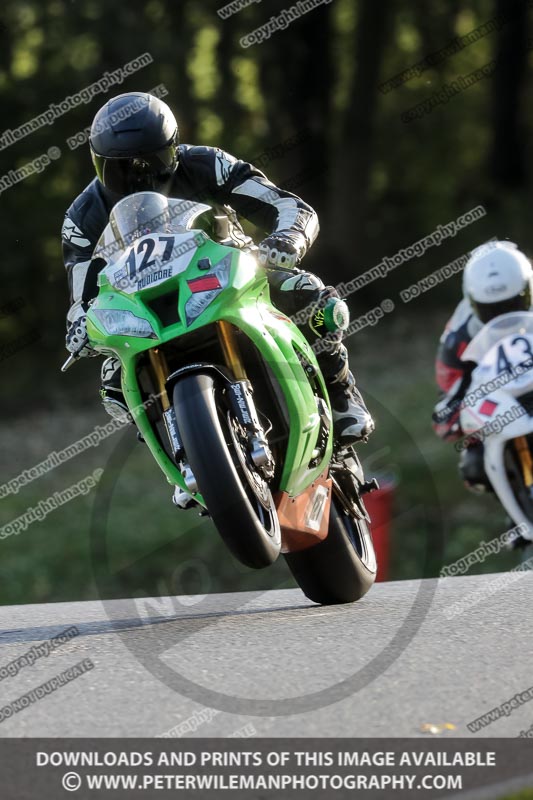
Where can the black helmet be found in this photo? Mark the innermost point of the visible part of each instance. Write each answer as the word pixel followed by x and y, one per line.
pixel 134 144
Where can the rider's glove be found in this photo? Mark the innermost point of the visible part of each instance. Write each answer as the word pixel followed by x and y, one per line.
pixel 284 250
pixel 77 341
pixel 445 417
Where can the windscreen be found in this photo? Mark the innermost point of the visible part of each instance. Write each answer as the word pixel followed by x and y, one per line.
pixel 143 213
pixel 518 322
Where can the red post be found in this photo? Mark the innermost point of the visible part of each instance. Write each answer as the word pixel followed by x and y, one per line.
pixel 379 507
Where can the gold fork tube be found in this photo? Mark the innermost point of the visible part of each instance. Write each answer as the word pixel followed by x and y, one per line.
pixel 526 462
pixel 230 350
pixel 159 366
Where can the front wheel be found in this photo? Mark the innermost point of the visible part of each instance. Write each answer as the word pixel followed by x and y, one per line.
pixel 340 569
pixel 237 496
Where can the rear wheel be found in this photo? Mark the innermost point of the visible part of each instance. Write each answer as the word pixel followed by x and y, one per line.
pixel 342 568
pixel 237 496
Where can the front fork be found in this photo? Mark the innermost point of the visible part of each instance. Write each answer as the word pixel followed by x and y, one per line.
pixel 239 394
pixel 526 461
pixel 230 350
pixel 160 373
pixel 240 400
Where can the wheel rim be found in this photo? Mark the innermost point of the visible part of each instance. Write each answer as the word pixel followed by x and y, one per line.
pixel 359 535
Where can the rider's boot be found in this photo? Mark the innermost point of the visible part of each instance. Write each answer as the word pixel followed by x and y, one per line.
pixel 472 469
pixel 111 391
pixel 352 421
pixel 322 317
pixel 115 405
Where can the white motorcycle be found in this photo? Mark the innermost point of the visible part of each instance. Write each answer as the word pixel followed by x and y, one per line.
pixel 498 410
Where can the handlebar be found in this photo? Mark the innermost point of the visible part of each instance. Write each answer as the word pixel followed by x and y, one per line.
pixel 69 362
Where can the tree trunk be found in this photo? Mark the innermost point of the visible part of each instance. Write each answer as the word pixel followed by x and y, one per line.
pixel 507 160
pixel 350 184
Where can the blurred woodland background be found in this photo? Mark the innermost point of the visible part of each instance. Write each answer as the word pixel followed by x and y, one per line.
pixel 379 184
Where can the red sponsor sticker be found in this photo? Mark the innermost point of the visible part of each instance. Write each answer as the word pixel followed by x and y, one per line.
pixel 204 284
pixel 488 408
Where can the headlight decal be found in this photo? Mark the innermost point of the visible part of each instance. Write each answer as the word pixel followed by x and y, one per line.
pixel 117 322
pixel 206 288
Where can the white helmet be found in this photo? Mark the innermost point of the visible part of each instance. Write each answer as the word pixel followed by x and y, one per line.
pixel 497 279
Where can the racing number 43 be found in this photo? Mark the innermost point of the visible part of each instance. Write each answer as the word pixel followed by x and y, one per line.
pixel 503 363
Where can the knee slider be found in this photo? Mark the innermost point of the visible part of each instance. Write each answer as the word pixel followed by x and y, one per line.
pixel 336 314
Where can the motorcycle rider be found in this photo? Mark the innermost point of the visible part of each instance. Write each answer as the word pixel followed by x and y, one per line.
pixel 497 279
pixel 134 147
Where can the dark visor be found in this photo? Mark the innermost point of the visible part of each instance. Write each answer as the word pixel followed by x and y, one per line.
pixel 487 311
pixel 143 173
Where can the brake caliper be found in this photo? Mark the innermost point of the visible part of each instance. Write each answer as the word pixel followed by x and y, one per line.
pixel 243 408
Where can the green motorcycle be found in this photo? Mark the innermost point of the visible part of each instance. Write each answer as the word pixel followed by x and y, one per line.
pixel 228 396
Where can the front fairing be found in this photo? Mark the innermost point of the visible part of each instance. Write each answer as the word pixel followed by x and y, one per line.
pixel 200 295
pixel 503 353
pixel 205 282
pixel 516 322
